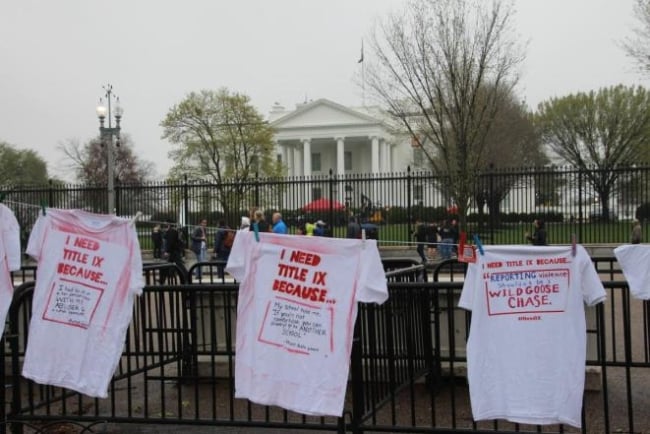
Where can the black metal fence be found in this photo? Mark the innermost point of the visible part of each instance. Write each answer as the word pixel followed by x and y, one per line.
pixel 407 368
pixel 596 205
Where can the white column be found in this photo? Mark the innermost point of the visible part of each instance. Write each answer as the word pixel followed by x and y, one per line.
pixel 306 146
pixel 340 156
pixel 291 164
pixel 374 154
pixel 285 159
pixel 297 161
pixel 385 154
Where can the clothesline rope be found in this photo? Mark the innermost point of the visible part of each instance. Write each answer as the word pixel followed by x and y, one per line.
pixel 155 222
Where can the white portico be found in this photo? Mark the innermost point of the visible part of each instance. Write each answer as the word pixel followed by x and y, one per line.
pixel 323 135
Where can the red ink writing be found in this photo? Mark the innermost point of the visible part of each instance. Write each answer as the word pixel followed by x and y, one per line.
pixel 292 272
pixel 305 258
pixel 85 243
pixel 305 292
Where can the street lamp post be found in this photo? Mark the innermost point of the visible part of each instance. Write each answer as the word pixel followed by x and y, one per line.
pixel 107 136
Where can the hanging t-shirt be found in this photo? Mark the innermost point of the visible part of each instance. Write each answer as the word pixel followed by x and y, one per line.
pixel 296 311
pixel 527 343
pixel 89 270
pixel 634 260
pixel 9 259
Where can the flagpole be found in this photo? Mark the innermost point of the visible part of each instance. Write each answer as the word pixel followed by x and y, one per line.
pixel 363 83
pixel 363 77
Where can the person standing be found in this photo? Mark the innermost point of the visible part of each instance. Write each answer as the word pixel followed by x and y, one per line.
pixel 245 223
pixel 455 236
pixel 432 239
pixel 320 229
pixel 223 241
pixel 539 234
pixel 157 239
pixel 262 224
pixel 354 228
pixel 173 249
pixel 199 245
pixel 446 240
pixel 420 235
pixel 636 233
pixel 279 227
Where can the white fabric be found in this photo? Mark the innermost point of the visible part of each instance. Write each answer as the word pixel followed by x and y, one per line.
pixel 293 350
pixel 89 271
pixel 527 344
pixel 10 238
pixel 9 259
pixel 634 260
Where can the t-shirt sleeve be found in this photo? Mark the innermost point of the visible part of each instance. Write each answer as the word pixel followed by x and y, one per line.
pixel 592 288
pixel 11 240
pixel 37 237
pixel 466 300
pixel 635 264
pixel 237 260
pixel 374 288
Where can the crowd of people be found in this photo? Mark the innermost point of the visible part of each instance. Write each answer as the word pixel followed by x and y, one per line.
pixel 439 239
pixel 434 241
pixel 169 243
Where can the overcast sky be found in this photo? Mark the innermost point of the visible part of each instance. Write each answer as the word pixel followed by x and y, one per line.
pixel 55 56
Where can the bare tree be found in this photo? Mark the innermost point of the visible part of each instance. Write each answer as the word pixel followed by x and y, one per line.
pixel 440 68
pixel 638 46
pixel 511 144
pixel 89 161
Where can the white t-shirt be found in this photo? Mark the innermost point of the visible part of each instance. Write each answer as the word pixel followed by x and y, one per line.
pixel 89 270
pixel 634 260
pixel 9 259
pixel 527 344
pixel 296 311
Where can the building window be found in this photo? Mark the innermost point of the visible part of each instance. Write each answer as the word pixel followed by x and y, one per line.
pixel 347 161
pixel 315 163
pixel 280 158
pixel 316 193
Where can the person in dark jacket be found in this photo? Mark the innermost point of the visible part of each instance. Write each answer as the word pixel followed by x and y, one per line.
pixel 539 234
pixel 173 249
pixel 221 249
pixel 262 224
pixel 354 228
pixel 157 239
pixel 420 235
pixel 446 232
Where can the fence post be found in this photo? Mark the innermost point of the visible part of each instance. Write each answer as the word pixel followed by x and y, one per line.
pixel 330 181
pixel 118 193
pixel 356 371
pixel 580 213
pixel 492 218
pixel 409 208
pixel 50 194
pixel 257 190
pixel 186 204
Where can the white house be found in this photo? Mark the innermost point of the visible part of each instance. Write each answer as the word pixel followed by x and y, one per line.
pixel 321 135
